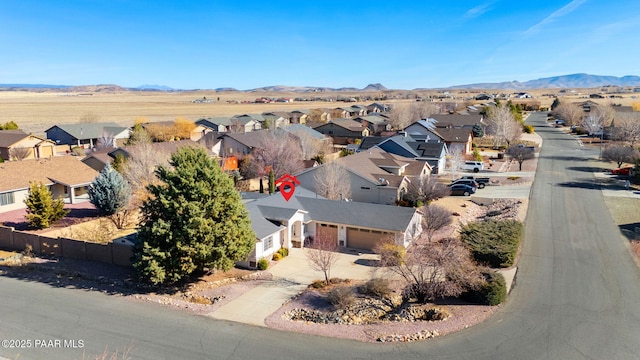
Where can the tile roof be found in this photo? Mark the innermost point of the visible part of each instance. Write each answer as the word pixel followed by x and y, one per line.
pixel 256 138
pixel 67 170
pixel 295 128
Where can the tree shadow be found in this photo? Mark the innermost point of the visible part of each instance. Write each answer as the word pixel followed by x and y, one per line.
pixel 588 169
pixel 367 262
pixel 581 185
pixel 630 231
pixel 89 276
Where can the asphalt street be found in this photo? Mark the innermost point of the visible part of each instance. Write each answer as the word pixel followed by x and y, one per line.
pixel 576 297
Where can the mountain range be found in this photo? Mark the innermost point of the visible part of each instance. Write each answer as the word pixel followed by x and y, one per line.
pixel 555 82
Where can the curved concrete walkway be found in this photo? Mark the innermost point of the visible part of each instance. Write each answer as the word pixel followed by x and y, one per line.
pixel 291 276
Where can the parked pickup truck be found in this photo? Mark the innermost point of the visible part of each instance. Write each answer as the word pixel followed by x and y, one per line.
pixel 482 181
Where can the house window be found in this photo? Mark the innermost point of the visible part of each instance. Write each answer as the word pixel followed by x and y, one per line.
pixel 267 243
pixel 365 188
pixel 7 199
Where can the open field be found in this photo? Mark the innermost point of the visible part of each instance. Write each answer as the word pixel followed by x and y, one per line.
pixel 37 111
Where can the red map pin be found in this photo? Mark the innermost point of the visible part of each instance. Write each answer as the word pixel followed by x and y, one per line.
pixel 287 185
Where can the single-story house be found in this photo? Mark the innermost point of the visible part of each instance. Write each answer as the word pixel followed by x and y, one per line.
pixel 239 144
pixel 433 152
pixel 86 135
pixel 456 139
pixel 342 130
pixel 457 121
pixel 375 176
pixel 287 224
pixel 66 176
pixel 98 160
pixel 18 145
pixel 376 124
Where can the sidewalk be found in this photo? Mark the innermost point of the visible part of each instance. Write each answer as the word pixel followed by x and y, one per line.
pixel 291 276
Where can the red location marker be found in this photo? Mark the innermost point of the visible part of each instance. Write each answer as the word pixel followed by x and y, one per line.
pixel 287 185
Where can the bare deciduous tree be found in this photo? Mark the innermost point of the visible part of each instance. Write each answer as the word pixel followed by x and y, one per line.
pixel 627 127
pixel 332 181
pixel 425 189
pixel 310 145
pixel 322 253
pixel 520 154
pixel 620 154
pixel 405 113
pixel 139 170
pixel 105 141
pixel 456 159
pixel 434 219
pixel 279 151
pixel 502 125
pixel 432 270
pixel 20 153
pixel 594 123
pixel 572 114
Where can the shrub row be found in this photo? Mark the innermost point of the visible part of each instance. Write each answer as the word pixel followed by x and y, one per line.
pixel 494 243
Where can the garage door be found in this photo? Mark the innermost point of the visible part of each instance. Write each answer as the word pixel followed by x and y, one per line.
pixel 364 238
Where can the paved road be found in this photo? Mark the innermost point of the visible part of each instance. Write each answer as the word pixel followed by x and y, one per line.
pixel 577 297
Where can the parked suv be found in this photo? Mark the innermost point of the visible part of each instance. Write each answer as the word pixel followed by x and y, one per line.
pixel 474 166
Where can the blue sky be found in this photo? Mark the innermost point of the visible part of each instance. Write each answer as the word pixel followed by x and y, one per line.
pixel 209 44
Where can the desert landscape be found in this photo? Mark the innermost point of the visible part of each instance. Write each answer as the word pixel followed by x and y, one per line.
pixel 36 110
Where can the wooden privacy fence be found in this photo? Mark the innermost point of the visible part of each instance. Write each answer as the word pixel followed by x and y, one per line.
pixel 111 253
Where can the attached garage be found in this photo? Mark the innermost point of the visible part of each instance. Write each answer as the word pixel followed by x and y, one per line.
pixel 330 231
pixel 364 238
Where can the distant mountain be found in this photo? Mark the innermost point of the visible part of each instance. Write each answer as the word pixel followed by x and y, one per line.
pixel 153 87
pixel 284 88
pixel 557 82
pixel 34 86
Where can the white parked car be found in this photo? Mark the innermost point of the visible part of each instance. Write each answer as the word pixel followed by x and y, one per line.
pixel 474 166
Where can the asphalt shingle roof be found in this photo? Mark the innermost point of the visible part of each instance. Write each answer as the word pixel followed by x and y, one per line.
pixel 84 131
pixel 67 170
pixel 10 137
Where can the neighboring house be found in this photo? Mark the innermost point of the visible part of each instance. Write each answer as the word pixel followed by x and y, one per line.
pixel 376 124
pixel 299 116
pixel 217 124
pixel 246 122
pixel 66 176
pixel 343 130
pixel 156 147
pixel 199 132
pixel 433 152
pixel 303 133
pixel 483 97
pixel 422 130
pixel 377 108
pixel 18 145
pixel 353 111
pixel 523 95
pixel 375 176
pixel 277 119
pixel 456 139
pixel 86 135
pixel 319 115
pixel 287 224
pixel 457 121
pixel 245 143
pixel 98 160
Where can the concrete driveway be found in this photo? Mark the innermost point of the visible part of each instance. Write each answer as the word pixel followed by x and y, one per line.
pixel 291 276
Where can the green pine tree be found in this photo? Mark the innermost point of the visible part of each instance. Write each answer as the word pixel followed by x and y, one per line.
pixel 138 135
pixel 109 192
pixel 42 209
pixel 194 219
